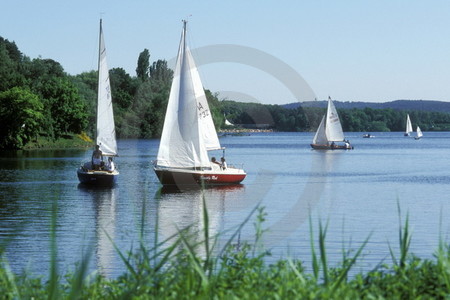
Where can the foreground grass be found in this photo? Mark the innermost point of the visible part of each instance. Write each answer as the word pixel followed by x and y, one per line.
pixel 175 269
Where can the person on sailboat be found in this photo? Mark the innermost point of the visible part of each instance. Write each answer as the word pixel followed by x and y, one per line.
pixel 97 158
pixel 224 163
pixel 110 165
pixel 213 160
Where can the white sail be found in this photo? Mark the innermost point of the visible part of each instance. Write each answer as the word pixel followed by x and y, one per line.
pixel 106 133
pixel 333 126
pixel 228 123
pixel 408 125
pixel 419 132
pixel 208 129
pixel 182 141
pixel 320 137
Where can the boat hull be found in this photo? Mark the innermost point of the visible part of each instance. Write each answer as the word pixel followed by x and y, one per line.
pixel 98 178
pixel 169 176
pixel 329 147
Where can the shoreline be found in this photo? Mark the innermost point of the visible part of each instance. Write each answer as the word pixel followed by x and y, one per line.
pixel 76 141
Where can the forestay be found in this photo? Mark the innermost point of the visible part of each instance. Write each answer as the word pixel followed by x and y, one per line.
pixel 106 133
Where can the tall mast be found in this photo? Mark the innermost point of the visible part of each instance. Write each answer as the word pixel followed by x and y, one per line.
pixel 98 76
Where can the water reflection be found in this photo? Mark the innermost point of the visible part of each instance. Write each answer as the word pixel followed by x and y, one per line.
pixel 322 163
pixel 104 204
pixel 182 210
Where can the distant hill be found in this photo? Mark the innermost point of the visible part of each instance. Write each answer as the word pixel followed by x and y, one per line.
pixel 420 105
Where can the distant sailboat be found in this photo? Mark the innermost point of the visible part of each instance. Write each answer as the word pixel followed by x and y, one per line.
pixel 189 132
pixel 419 133
pixel 228 123
pixel 105 173
pixel 408 126
pixel 330 131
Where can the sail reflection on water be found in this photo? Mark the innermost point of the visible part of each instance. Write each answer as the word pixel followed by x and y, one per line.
pixel 104 203
pixel 183 211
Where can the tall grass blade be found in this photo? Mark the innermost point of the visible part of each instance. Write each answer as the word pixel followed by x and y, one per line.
pixel 238 230
pixel 315 262
pixel 260 218
pixel 9 277
pixel 323 254
pixel 53 279
pixel 80 275
pixel 348 265
pixel 296 271
pixel 125 260
pixel 193 257
pixel 206 232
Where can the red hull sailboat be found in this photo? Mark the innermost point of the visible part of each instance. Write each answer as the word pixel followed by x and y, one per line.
pixel 189 132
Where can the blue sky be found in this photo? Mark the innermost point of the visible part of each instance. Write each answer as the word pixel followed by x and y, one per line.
pixel 373 51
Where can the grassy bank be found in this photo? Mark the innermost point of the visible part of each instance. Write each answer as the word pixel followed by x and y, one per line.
pixel 175 269
pixel 67 141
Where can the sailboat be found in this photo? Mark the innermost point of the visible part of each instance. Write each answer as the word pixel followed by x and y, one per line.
pixel 419 133
pixel 228 123
pixel 105 173
pixel 330 133
pixel 189 133
pixel 408 126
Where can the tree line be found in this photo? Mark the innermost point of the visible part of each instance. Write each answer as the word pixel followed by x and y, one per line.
pixel 38 99
pixel 300 118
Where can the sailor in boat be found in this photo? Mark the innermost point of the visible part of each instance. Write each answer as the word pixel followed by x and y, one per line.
pixel 110 165
pixel 97 158
pixel 213 160
pixel 224 163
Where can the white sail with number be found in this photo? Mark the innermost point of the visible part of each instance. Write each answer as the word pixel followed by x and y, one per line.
pixel 106 133
pixel 188 130
pixel 333 126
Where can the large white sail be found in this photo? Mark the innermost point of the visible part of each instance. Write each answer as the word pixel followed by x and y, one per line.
pixel 208 129
pixel 408 125
pixel 182 144
pixel 320 138
pixel 106 133
pixel 333 126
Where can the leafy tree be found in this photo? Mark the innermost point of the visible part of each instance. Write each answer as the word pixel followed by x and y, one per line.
pixel 123 87
pixel 64 109
pixel 86 84
pixel 160 73
pixel 143 64
pixel 10 59
pixel 20 117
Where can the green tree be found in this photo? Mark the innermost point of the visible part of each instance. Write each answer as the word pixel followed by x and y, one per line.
pixel 160 73
pixel 65 111
pixel 10 59
pixel 123 87
pixel 143 64
pixel 20 117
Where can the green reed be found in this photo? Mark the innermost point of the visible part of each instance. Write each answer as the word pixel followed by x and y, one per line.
pixel 184 267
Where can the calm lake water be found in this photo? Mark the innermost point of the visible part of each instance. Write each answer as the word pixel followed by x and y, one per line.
pixel 356 192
